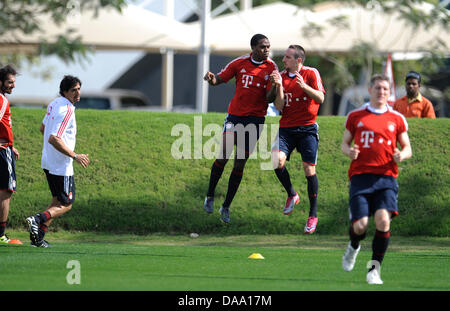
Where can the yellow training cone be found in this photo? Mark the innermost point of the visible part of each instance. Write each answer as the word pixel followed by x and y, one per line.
pixel 256 256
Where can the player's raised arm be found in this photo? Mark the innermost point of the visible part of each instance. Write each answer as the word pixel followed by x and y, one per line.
pixel 212 79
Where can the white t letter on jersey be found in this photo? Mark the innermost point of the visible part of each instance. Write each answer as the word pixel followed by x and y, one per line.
pixel 366 138
pixel 287 99
pixel 246 80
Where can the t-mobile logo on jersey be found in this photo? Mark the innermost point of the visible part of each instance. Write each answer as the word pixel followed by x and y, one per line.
pixel 247 80
pixel 366 138
pixel 287 99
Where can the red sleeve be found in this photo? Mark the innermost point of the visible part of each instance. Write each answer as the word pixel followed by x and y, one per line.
pixel 314 80
pixel 349 124
pixel 2 109
pixel 402 125
pixel 228 72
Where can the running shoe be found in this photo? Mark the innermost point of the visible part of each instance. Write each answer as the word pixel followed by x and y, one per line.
pixel 349 258
pixel 33 228
pixel 225 214
pixel 311 225
pixel 4 239
pixel 290 202
pixel 42 243
pixel 208 204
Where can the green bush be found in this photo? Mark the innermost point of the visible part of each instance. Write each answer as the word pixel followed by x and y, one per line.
pixel 135 185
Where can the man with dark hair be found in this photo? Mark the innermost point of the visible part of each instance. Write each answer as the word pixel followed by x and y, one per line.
pixel 414 105
pixel 8 154
pixel 246 115
pixel 375 130
pixel 59 129
pixel 301 93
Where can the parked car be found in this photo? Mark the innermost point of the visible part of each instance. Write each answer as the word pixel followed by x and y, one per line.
pixel 113 99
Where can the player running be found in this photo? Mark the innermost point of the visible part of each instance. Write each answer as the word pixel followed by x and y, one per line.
pixel 375 129
pixel 59 129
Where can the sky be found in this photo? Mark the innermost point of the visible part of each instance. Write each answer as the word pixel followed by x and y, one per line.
pixel 97 73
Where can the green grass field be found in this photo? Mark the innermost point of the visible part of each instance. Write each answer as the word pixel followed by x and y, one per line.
pixel 136 205
pixel 219 263
pixel 135 185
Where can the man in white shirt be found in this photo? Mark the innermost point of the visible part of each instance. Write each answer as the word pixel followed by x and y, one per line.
pixel 59 129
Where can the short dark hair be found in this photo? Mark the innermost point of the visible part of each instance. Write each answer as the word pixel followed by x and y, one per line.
pixel 379 77
pixel 299 52
pixel 413 75
pixel 256 38
pixel 67 83
pixel 5 71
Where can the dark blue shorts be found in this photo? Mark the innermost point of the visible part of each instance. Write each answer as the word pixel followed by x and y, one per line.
pixel 7 170
pixel 303 138
pixel 61 187
pixel 369 193
pixel 246 131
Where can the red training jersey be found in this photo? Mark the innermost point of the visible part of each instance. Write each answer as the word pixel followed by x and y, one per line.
pixel 299 109
pixel 5 121
pixel 376 135
pixel 252 83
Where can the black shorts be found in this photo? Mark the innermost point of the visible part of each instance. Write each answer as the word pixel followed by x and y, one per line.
pixel 246 131
pixel 7 170
pixel 369 193
pixel 303 138
pixel 61 187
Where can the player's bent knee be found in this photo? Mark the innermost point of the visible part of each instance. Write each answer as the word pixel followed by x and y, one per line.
pixel 360 226
pixel 383 225
pixel 383 220
pixel 278 159
pixel 310 170
pixel 63 207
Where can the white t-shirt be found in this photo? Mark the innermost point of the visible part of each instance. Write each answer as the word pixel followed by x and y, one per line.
pixel 59 121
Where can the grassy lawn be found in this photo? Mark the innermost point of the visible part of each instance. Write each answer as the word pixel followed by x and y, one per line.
pixel 134 183
pixel 162 262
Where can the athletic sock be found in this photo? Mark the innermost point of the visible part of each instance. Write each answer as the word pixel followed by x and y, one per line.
pixel 379 245
pixel 216 173
pixel 313 189
pixel 43 217
pixel 2 228
pixel 42 230
pixel 285 179
pixel 233 185
pixel 355 238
